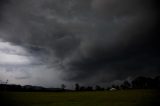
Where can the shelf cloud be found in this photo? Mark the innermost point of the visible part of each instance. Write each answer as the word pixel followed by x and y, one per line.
pixel 85 41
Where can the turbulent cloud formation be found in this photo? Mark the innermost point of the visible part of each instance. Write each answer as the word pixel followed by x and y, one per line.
pixel 20 65
pixel 87 41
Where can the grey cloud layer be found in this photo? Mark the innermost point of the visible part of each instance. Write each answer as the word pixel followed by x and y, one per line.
pixel 102 40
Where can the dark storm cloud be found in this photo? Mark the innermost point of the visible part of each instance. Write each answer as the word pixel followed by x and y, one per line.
pixel 2 3
pixel 101 40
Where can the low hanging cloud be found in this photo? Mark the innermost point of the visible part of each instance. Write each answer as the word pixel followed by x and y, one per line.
pixel 87 41
pixel 20 65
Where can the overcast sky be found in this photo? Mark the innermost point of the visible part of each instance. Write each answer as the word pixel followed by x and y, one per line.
pixel 50 42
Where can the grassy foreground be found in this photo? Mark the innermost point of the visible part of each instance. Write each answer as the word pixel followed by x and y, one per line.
pixel 104 98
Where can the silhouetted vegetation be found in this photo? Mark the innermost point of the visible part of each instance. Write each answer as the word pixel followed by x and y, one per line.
pixel 146 83
pixel 83 88
pixel 138 83
pixel 125 85
pixel 77 87
pixel 63 87
pixel 99 88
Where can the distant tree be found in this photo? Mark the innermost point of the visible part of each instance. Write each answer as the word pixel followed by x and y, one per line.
pixel 82 88
pixel 108 88
pixel 77 87
pixel 5 87
pixel 117 87
pixel 99 88
pixel 89 88
pixel 157 82
pixel 143 83
pixel 113 86
pixel 63 86
pixel 125 85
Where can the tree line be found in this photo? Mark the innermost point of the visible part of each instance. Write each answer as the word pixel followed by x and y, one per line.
pixel 137 83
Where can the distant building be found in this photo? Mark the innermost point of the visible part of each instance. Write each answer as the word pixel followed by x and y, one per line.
pixel 112 89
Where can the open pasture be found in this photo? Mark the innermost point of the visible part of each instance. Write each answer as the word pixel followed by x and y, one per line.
pixel 94 98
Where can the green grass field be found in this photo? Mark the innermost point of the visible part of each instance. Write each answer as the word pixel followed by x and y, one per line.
pixel 104 98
